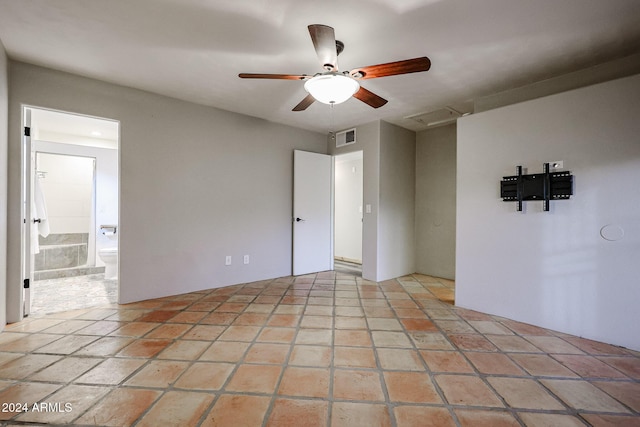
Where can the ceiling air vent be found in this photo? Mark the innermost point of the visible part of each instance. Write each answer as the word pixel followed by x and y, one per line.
pixel 346 137
pixel 440 117
pixel 437 117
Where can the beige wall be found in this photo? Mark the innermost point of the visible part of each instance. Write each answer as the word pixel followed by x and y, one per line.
pixel 575 268
pixel 4 99
pixel 196 184
pixel 436 201
pixel 396 223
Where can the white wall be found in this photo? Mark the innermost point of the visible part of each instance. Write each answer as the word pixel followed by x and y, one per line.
pixel 67 188
pixel 436 202
pixel 554 269
pixel 348 207
pixel 4 99
pixel 196 184
pixel 106 197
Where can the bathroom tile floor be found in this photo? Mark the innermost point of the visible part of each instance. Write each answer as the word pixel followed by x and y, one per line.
pixel 326 349
pixel 72 293
pixel 347 267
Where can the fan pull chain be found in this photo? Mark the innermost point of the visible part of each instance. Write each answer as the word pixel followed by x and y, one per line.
pixel 332 130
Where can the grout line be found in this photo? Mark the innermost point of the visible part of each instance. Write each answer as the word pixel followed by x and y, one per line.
pixel 321 287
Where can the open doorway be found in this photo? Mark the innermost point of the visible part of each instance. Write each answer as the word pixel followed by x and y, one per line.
pixel 71 187
pixel 348 195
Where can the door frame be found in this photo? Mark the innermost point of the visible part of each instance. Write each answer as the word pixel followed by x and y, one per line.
pixel 26 186
pixel 91 242
pixel 26 190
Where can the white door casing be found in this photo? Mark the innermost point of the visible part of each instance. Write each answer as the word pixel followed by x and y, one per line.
pixel 28 160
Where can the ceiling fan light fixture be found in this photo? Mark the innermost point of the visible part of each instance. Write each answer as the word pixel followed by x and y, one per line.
pixel 331 88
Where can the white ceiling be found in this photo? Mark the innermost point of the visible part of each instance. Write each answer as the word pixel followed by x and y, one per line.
pixel 194 49
pixel 55 126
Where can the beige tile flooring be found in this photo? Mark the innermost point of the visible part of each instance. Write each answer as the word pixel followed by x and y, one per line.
pixel 327 349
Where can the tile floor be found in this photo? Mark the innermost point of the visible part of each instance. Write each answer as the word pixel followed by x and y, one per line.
pixel 347 267
pixel 72 293
pixel 328 349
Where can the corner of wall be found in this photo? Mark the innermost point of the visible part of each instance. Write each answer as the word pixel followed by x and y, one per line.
pixel 436 201
pixel 4 138
pixel 396 216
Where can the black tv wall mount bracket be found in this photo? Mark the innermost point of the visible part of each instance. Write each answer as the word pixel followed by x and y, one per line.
pixel 543 186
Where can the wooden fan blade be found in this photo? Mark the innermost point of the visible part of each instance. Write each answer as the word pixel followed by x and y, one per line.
pixel 369 98
pixel 273 76
pixel 308 100
pixel 407 66
pixel 324 41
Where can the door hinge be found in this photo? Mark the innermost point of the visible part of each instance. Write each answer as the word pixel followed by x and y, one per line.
pixel 27 131
pixel 26 283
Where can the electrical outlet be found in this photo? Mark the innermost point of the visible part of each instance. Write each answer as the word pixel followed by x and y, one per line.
pixel 227 260
pixel 246 259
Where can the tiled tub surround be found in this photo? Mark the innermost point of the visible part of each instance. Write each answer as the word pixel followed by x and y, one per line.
pixel 320 350
pixel 63 255
pixel 62 251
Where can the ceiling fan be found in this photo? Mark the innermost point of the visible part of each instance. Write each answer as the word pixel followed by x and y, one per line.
pixel 333 86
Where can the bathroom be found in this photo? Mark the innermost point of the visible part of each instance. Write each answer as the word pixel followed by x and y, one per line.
pixel 75 188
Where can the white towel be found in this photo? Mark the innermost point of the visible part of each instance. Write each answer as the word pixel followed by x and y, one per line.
pixel 38 211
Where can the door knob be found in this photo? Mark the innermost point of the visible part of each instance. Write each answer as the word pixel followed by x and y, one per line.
pixel 299 219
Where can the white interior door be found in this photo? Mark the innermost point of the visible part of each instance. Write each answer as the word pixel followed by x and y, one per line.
pixel 312 212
